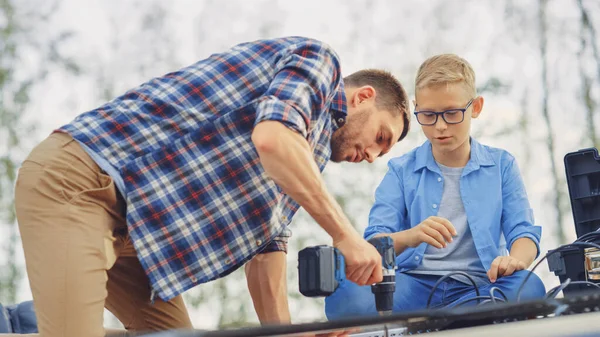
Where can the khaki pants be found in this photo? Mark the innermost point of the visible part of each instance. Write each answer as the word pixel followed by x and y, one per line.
pixel 78 254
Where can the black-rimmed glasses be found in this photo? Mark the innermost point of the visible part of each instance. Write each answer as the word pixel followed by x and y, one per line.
pixel 452 116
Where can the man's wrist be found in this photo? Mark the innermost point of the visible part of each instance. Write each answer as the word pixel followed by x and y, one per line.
pixel 345 234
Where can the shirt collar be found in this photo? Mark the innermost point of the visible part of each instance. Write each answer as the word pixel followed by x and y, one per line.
pixel 339 108
pixel 480 156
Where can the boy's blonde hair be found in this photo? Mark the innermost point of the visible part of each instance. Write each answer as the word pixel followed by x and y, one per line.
pixel 446 69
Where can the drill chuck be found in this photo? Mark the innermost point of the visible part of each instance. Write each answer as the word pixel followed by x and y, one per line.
pixel 384 290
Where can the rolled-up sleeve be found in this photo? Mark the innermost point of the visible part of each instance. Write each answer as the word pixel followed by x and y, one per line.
pixel 388 214
pixel 279 244
pixel 304 84
pixel 517 214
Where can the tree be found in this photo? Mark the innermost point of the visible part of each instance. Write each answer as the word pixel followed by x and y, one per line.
pixel 558 187
pixel 587 28
pixel 20 37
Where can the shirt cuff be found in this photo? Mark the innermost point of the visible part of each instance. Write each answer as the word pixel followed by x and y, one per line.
pixel 532 237
pixel 279 244
pixel 273 109
pixel 371 231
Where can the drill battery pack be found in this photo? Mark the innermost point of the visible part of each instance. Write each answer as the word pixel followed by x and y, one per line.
pixel 578 263
pixel 320 270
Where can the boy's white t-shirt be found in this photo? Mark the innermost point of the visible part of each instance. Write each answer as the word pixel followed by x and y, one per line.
pixel 460 254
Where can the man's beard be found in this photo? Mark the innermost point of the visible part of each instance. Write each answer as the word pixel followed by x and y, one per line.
pixel 345 138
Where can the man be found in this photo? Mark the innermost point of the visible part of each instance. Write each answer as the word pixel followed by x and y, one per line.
pixel 191 175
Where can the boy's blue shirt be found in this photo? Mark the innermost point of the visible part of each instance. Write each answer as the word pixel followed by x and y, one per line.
pixel 491 189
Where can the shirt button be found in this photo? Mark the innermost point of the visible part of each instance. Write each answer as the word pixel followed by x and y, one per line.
pixel 434 206
pixel 416 258
pixel 193 278
pixel 228 261
pixel 284 218
pixel 340 120
pixel 258 242
pixel 439 178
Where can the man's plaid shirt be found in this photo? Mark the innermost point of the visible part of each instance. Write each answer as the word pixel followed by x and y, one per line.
pixel 199 203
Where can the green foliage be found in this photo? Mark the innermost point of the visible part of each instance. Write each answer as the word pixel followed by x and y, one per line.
pixel 14 95
pixel 18 40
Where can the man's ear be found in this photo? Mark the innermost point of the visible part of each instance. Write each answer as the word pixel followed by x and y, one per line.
pixel 365 93
pixel 477 106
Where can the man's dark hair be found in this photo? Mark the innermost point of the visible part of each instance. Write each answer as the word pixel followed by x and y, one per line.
pixel 391 95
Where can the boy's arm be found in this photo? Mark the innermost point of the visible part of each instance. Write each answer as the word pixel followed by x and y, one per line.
pixel 435 231
pixel 524 250
pixel 388 216
pixel 388 213
pixel 522 236
pixel 517 215
pixel 522 254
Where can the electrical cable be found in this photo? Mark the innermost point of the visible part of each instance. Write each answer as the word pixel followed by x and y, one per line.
pixel 486 299
pixel 554 291
pixel 576 243
pixel 493 289
pixel 551 291
pixel 560 309
pixel 459 303
pixel 586 236
pixel 436 285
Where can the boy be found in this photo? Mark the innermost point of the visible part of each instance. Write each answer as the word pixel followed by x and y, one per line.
pixel 447 204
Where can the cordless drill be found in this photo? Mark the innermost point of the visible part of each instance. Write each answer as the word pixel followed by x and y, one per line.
pixel 322 268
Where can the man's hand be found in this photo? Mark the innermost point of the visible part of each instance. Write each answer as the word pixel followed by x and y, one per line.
pixel 434 230
pixel 363 262
pixel 504 266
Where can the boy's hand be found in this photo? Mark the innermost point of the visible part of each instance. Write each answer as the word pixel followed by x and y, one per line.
pixel 434 230
pixel 504 266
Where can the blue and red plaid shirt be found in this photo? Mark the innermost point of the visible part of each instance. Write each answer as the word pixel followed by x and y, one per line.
pixel 199 203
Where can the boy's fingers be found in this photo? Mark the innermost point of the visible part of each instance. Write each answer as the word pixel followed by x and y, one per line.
pixel 493 272
pixel 446 224
pixel 430 240
pixel 510 269
pixel 503 266
pixel 435 235
pixel 442 230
